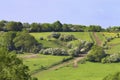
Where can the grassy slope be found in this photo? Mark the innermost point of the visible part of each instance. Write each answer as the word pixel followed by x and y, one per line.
pixel 101 37
pixel 114 46
pixel 80 35
pixel 88 71
pixel 107 34
pixel 41 60
pixel 95 71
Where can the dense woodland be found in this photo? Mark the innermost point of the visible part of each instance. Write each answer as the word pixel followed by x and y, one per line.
pixel 55 26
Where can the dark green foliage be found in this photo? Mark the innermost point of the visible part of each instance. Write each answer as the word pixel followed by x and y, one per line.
pixel 96 54
pixel 2 25
pixel 95 28
pixel 65 28
pixel 8 40
pixel 55 35
pixel 34 78
pixel 66 38
pixel 113 29
pixel 11 67
pixel 24 42
pixel 14 26
pixel 57 26
pixel 35 27
pixel 41 38
pixel 46 27
pixel 115 76
pixel 112 58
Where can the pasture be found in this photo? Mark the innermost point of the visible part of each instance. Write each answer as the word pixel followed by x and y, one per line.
pixel 35 61
pixel 56 43
pixel 114 46
pixel 87 71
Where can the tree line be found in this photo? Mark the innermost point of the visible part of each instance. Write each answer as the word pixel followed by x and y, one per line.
pixel 56 26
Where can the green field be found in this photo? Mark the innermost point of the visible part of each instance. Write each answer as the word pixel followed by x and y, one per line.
pixel 114 46
pixel 88 71
pixel 34 62
pixel 107 34
pixel 56 43
pixel 80 35
pixel 101 37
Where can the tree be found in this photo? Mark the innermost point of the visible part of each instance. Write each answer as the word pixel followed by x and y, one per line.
pixel 8 40
pixel 35 27
pixel 57 26
pixel 14 26
pixel 2 24
pixel 26 26
pixel 96 54
pixel 11 67
pixel 95 28
pixel 25 42
pixel 66 38
pixel 65 27
pixel 46 27
pixel 55 35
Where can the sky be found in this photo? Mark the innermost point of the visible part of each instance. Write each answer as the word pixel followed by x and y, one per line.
pixel 85 12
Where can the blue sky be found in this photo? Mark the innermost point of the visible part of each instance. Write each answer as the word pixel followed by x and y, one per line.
pixel 99 12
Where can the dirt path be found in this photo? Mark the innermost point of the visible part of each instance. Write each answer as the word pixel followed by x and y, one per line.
pixel 77 59
pixel 61 65
pixel 74 62
pixel 30 55
pixel 98 41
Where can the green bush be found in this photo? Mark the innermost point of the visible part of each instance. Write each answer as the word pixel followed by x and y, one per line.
pixel 54 51
pixel 111 58
pixel 67 38
pixel 96 54
pixel 55 35
pixel 69 45
pixel 41 38
pixel 34 78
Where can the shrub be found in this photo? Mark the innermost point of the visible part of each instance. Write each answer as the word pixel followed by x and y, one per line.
pixel 67 38
pixel 41 38
pixel 75 52
pixel 111 58
pixel 54 51
pixel 34 78
pixel 47 51
pixel 69 45
pixel 55 35
pixel 96 54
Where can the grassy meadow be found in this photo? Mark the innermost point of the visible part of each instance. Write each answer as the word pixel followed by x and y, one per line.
pixel 87 71
pixel 114 46
pixel 52 43
pixel 35 61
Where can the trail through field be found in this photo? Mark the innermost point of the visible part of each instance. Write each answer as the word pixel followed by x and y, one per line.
pixel 30 56
pixel 77 59
pixel 98 41
pixel 73 62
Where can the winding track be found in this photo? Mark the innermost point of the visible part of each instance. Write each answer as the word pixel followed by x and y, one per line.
pixel 97 40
